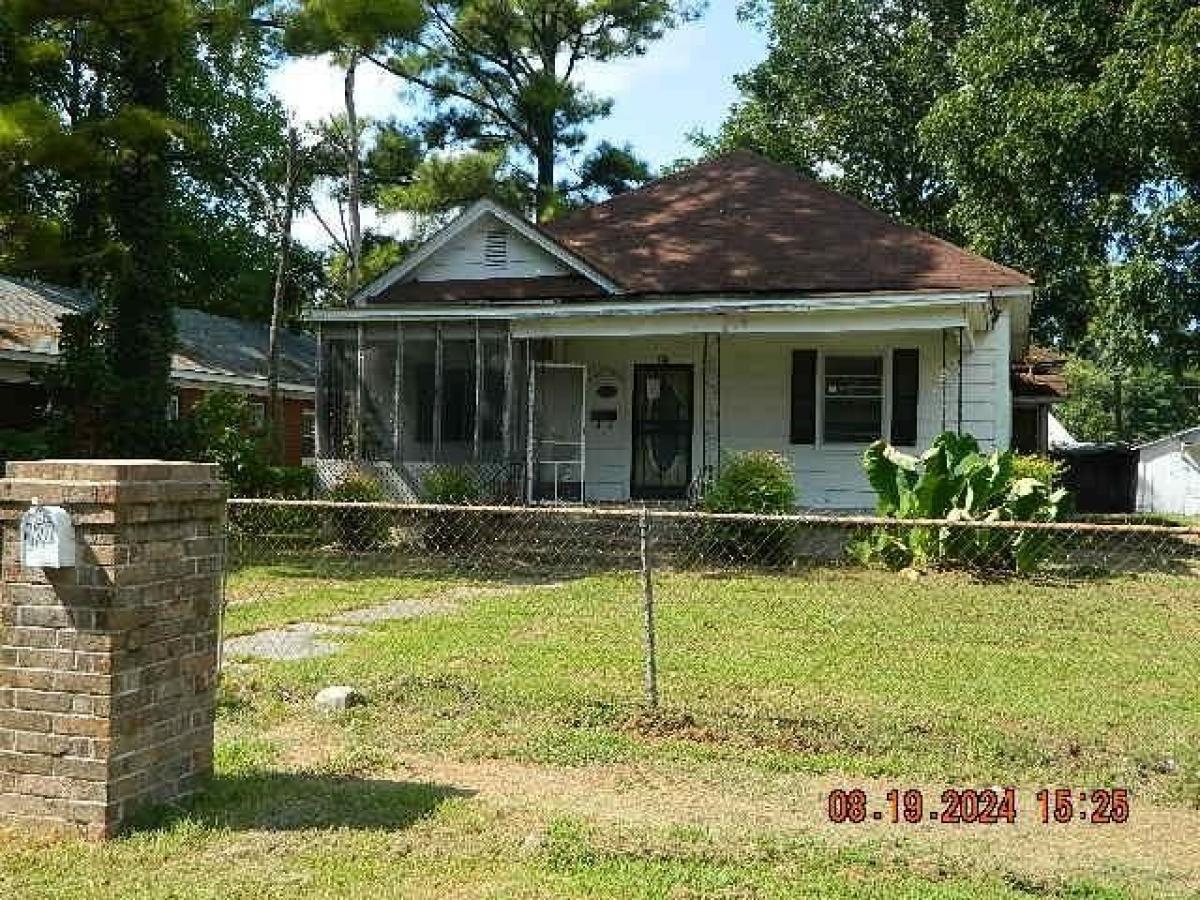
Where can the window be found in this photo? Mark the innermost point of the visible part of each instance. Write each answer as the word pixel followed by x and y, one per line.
pixel 308 434
pixel 258 413
pixel 173 407
pixel 853 399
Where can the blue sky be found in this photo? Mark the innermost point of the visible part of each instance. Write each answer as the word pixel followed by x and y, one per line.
pixel 684 82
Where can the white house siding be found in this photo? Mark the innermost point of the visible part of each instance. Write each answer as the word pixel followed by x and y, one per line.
pixel 755 410
pixel 1169 475
pixel 464 257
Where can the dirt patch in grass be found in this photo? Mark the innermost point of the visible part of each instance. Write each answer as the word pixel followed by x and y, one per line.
pixel 740 808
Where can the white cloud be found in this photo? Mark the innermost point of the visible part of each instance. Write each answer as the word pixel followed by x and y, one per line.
pixel 669 56
pixel 311 89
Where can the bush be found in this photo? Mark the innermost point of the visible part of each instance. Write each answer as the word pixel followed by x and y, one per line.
pixel 358 528
pixel 1041 469
pixel 447 531
pixel 954 480
pixel 223 429
pixel 451 484
pixel 754 482
pixel 18 445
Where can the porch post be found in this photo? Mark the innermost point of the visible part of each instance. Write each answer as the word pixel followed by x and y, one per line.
pixel 531 394
pixel 477 420
pixel 360 380
pixel 711 415
pixel 438 354
pixel 320 401
pixel 397 404
pixel 960 380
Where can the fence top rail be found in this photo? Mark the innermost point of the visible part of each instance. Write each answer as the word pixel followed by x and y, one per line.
pixel 635 512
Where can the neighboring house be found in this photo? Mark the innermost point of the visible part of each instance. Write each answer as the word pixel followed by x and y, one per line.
pixel 1169 474
pixel 213 352
pixel 1038 383
pixel 617 353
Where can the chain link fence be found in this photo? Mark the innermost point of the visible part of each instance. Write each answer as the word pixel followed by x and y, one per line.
pixel 686 589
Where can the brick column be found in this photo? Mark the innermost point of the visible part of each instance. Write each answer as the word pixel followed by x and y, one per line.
pixel 108 669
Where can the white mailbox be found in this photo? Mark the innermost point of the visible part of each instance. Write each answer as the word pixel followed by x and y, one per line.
pixel 47 538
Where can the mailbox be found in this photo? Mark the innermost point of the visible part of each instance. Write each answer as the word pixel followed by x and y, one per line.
pixel 47 538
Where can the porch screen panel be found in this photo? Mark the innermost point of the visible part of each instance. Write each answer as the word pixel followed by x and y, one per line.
pixel 379 371
pixel 340 382
pixel 906 379
pixel 458 400
pixel 416 396
pixel 804 397
pixel 492 399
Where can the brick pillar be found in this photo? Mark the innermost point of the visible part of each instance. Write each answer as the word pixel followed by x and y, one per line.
pixel 108 669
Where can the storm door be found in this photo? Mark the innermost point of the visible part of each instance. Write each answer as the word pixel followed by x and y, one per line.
pixel 662 432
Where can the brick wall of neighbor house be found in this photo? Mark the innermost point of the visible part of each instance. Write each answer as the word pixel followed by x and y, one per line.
pixel 108 669
pixel 293 420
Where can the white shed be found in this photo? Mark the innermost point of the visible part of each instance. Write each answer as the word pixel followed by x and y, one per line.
pixel 1169 474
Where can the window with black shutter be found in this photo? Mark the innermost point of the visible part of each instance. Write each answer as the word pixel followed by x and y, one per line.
pixel 906 379
pixel 804 397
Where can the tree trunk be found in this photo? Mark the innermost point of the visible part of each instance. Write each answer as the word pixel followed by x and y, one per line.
pixel 545 178
pixel 282 260
pixel 353 181
pixel 1118 407
pixel 142 312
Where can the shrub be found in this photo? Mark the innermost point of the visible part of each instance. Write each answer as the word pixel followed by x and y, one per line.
pixel 754 482
pixel 224 431
pixel 954 480
pixel 1042 469
pixel 451 484
pixel 359 528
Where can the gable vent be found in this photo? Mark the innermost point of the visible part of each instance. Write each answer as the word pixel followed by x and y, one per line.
pixel 495 248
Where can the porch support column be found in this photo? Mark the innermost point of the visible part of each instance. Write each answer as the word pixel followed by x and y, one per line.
pixel 530 397
pixel 397 398
pixel 477 419
pixel 438 383
pixel 960 380
pixel 360 387
pixel 711 447
pixel 321 401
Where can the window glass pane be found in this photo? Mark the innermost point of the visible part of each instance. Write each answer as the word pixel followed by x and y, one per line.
pixel 853 398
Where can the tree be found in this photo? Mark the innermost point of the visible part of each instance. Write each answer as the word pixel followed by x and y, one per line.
pixel 841 96
pixel 504 81
pixel 1071 142
pixel 119 124
pixel 351 30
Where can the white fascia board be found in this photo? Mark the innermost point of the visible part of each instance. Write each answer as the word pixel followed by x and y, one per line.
pixel 210 380
pixel 683 306
pixel 734 323
pixel 465 219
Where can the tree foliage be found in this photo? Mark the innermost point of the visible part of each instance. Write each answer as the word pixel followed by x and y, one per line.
pixel 1057 137
pixel 504 83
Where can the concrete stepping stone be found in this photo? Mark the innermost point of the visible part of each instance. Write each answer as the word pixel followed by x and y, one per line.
pixel 299 641
pixel 397 610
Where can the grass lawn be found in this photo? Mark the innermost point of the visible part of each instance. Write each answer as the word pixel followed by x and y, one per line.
pixel 504 754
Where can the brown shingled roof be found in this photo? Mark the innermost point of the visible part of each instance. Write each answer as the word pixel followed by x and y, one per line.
pixel 1039 375
pixel 740 223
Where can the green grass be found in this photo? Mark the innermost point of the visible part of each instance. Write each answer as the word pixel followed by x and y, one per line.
pixel 842 674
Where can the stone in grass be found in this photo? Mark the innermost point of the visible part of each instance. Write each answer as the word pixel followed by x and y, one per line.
pixel 338 698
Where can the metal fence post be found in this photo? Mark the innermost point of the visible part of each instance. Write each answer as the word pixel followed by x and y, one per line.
pixel 651 662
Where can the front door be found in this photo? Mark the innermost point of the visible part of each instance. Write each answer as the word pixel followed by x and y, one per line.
pixel 662 432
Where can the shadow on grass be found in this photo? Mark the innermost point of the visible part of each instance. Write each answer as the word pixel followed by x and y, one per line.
pixel 279 801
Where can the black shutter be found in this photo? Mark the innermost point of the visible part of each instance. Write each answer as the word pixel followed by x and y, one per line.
pixel 804 397
pixel 906 378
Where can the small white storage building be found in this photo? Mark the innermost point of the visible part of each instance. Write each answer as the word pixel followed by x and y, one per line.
pixel 1169 474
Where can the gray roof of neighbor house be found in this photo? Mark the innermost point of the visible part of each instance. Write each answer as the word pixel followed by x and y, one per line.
pixel 210 348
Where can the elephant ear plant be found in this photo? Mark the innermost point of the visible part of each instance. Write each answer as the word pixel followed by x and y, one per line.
pixel 956 481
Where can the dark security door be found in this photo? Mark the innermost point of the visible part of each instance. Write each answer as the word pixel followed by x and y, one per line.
pixel 662 432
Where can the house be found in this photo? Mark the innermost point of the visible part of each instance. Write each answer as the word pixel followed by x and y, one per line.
pixel 616 353
pixel 1038 383
pixel 213 352
pixel 1169 474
